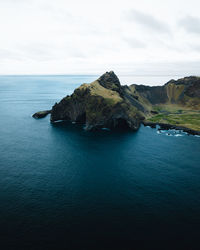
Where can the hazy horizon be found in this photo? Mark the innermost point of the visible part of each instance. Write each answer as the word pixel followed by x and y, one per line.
pixel 125 79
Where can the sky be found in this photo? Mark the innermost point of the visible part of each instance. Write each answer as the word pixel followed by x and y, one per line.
pixel 140 37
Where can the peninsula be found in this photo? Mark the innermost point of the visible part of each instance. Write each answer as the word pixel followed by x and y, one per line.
pixel 105 103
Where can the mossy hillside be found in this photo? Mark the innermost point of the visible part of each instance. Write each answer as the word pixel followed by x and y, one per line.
pixel 95 89
pixel 98 90
pixel 99 110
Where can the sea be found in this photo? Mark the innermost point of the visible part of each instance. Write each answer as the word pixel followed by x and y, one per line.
pixel 62 187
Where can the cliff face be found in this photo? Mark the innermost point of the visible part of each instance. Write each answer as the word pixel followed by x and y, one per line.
pixel 185 91
pixel 102 103
pixel 152 95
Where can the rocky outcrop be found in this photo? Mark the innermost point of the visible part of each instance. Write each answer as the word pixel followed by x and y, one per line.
pixel 103 103
pixel 110 81
pixel 41 114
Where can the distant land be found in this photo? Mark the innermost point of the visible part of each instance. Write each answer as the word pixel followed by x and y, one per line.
pixel 105 103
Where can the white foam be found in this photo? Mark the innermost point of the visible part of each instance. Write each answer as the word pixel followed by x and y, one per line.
pixel 57 121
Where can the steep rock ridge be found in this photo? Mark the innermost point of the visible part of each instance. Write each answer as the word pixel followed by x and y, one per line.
pixel 185 91
pixel 110 81
pixel 102 103
pixel 152 95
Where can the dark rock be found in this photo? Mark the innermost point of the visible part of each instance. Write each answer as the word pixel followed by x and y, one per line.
pixel 155 94
pixel 150 124
pixel 165 126
pixel 110 81
pixel 41 114
pixel 154 112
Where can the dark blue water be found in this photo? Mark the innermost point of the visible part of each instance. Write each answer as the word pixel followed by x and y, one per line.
pixel 64 188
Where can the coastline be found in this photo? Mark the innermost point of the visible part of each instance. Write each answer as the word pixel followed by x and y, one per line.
pixel 166 126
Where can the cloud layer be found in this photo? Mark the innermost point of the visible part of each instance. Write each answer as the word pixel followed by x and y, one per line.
pixel 148 21
pixel 69 37
pixel 190 24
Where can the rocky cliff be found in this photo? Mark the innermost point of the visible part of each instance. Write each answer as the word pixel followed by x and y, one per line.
pixel 105 103
pixel 185 91
pixel 102 103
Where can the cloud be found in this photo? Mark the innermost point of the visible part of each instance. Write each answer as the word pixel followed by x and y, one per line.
pixel 12 54
pixel 194 47
pixel 147 21
pixel 134 43
pixel 190 24
pixel 47 36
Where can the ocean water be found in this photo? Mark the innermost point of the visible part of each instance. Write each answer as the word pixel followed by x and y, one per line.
pixel 64 188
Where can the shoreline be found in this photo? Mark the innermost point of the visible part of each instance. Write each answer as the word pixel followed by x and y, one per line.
pixel 166 126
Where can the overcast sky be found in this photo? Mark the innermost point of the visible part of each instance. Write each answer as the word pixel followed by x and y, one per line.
pixel 91 37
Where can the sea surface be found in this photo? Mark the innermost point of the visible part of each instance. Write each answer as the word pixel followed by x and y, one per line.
pixel 64 188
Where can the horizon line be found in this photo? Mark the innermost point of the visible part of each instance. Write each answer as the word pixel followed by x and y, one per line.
pixel 137 75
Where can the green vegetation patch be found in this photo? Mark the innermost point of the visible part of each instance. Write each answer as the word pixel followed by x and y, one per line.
pixel 186 118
